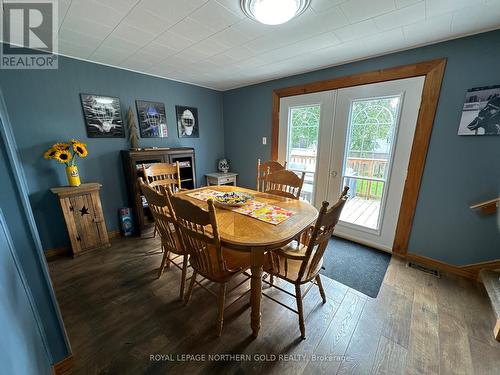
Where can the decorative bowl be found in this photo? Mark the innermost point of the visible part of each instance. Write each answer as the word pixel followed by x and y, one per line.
pixel 232 199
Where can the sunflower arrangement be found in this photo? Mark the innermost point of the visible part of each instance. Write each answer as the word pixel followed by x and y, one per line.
pixel 66 153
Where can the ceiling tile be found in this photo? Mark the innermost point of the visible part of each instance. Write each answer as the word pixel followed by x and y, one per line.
pixel 322 5
pixel 221 59
pixel 233 6
pixel 263 43
pixel 358 30
pixel 110 55
pixel 144 56
pixel 85 26
pixel 62 9
pixel 160 51
pixel 436 7
pixel 119 4
pixel 171 10
pixel 132 34
pixel 192 30
pixel 239 53
pixel 401 17
pixel 405 3
pixel 474 19
pixel 231 36
pixel 96 12
pixel 214 16
pixel 143 19
pixel 121 44
pixel 252 28
pixel 209 47
pixel 360 10
pixel 432 29
pixel 80 39
pixel 387 41
pixel 331 19
pixel 190 55
pixel 174 41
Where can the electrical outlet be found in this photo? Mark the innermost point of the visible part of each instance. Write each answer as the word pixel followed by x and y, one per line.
pixel 264 140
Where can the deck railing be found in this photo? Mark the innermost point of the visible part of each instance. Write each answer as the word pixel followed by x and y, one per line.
pixel 367 179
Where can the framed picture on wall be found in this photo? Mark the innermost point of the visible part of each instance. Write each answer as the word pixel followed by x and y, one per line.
pixel 103 116
pixel 481 112
pixel 187 122
pixel 152 119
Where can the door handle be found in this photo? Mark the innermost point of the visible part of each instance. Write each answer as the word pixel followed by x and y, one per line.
pixel 333 173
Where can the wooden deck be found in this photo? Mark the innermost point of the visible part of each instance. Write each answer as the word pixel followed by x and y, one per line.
pixel 361 211
pixel 121 319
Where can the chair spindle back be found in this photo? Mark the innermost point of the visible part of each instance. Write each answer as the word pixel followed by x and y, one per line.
pixel 198 229
pixel 284 183
pixel 163 174
pixel 263 169
pixel 321 234
pixel 163 213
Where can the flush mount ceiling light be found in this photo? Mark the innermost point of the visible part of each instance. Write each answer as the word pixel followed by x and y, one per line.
pixel 273 12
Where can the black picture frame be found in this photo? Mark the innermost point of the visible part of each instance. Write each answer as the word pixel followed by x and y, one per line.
pixel 152 119
pixel 481 112
pixel 102 115
pixel 185 116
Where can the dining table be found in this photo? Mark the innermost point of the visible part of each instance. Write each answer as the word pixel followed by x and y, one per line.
pixel 245 233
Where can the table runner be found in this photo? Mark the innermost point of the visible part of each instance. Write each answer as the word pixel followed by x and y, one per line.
pixel 261 211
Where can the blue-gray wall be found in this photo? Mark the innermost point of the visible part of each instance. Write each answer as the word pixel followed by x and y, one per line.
pixel 32 334
pixel 44 107
pixel 459 170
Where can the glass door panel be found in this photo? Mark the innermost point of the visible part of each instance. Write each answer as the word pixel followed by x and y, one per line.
pixel 303 130
pixel 372 126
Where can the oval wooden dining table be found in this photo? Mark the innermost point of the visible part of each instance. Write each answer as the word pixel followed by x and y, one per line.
pixel 244 233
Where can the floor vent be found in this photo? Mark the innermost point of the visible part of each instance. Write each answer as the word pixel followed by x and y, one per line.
pixel 425 269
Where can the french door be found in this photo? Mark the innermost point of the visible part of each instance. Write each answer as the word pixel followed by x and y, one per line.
pixel 362 139
pixel 304 139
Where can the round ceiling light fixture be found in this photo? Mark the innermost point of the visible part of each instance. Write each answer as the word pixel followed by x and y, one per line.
pixel 273 12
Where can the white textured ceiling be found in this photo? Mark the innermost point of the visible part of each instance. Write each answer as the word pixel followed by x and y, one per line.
pixel 211 43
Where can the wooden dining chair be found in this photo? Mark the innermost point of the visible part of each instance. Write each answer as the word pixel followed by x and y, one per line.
pixel 159 175
pixel 263 169
pixel 299 262
pixel 284 183
pixel 200 235
pixel 163 174
pixel 165 220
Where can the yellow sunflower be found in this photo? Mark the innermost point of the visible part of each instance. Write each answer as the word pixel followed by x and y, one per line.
pixel 61 146
pixel 62 156
pixel 50 153
pixel 79 148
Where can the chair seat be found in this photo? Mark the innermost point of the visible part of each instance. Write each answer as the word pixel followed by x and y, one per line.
pixel 236 262
pixel 293 250
pixel 286 262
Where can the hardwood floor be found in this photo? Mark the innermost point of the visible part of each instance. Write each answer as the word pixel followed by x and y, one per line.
pixel 121 319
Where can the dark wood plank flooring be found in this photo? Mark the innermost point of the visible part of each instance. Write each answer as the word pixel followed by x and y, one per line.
pixel 121 319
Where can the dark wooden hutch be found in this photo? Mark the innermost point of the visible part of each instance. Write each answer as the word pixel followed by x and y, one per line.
pixel 133 162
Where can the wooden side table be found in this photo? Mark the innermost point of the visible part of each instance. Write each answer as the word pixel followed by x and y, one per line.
pixel 82 212
pixel 220 178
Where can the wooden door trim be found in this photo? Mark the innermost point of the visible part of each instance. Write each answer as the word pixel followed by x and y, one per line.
pixel 433 71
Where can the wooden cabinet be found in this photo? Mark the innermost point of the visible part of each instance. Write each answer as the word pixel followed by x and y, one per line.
pixel 133 162
pixel 82 212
